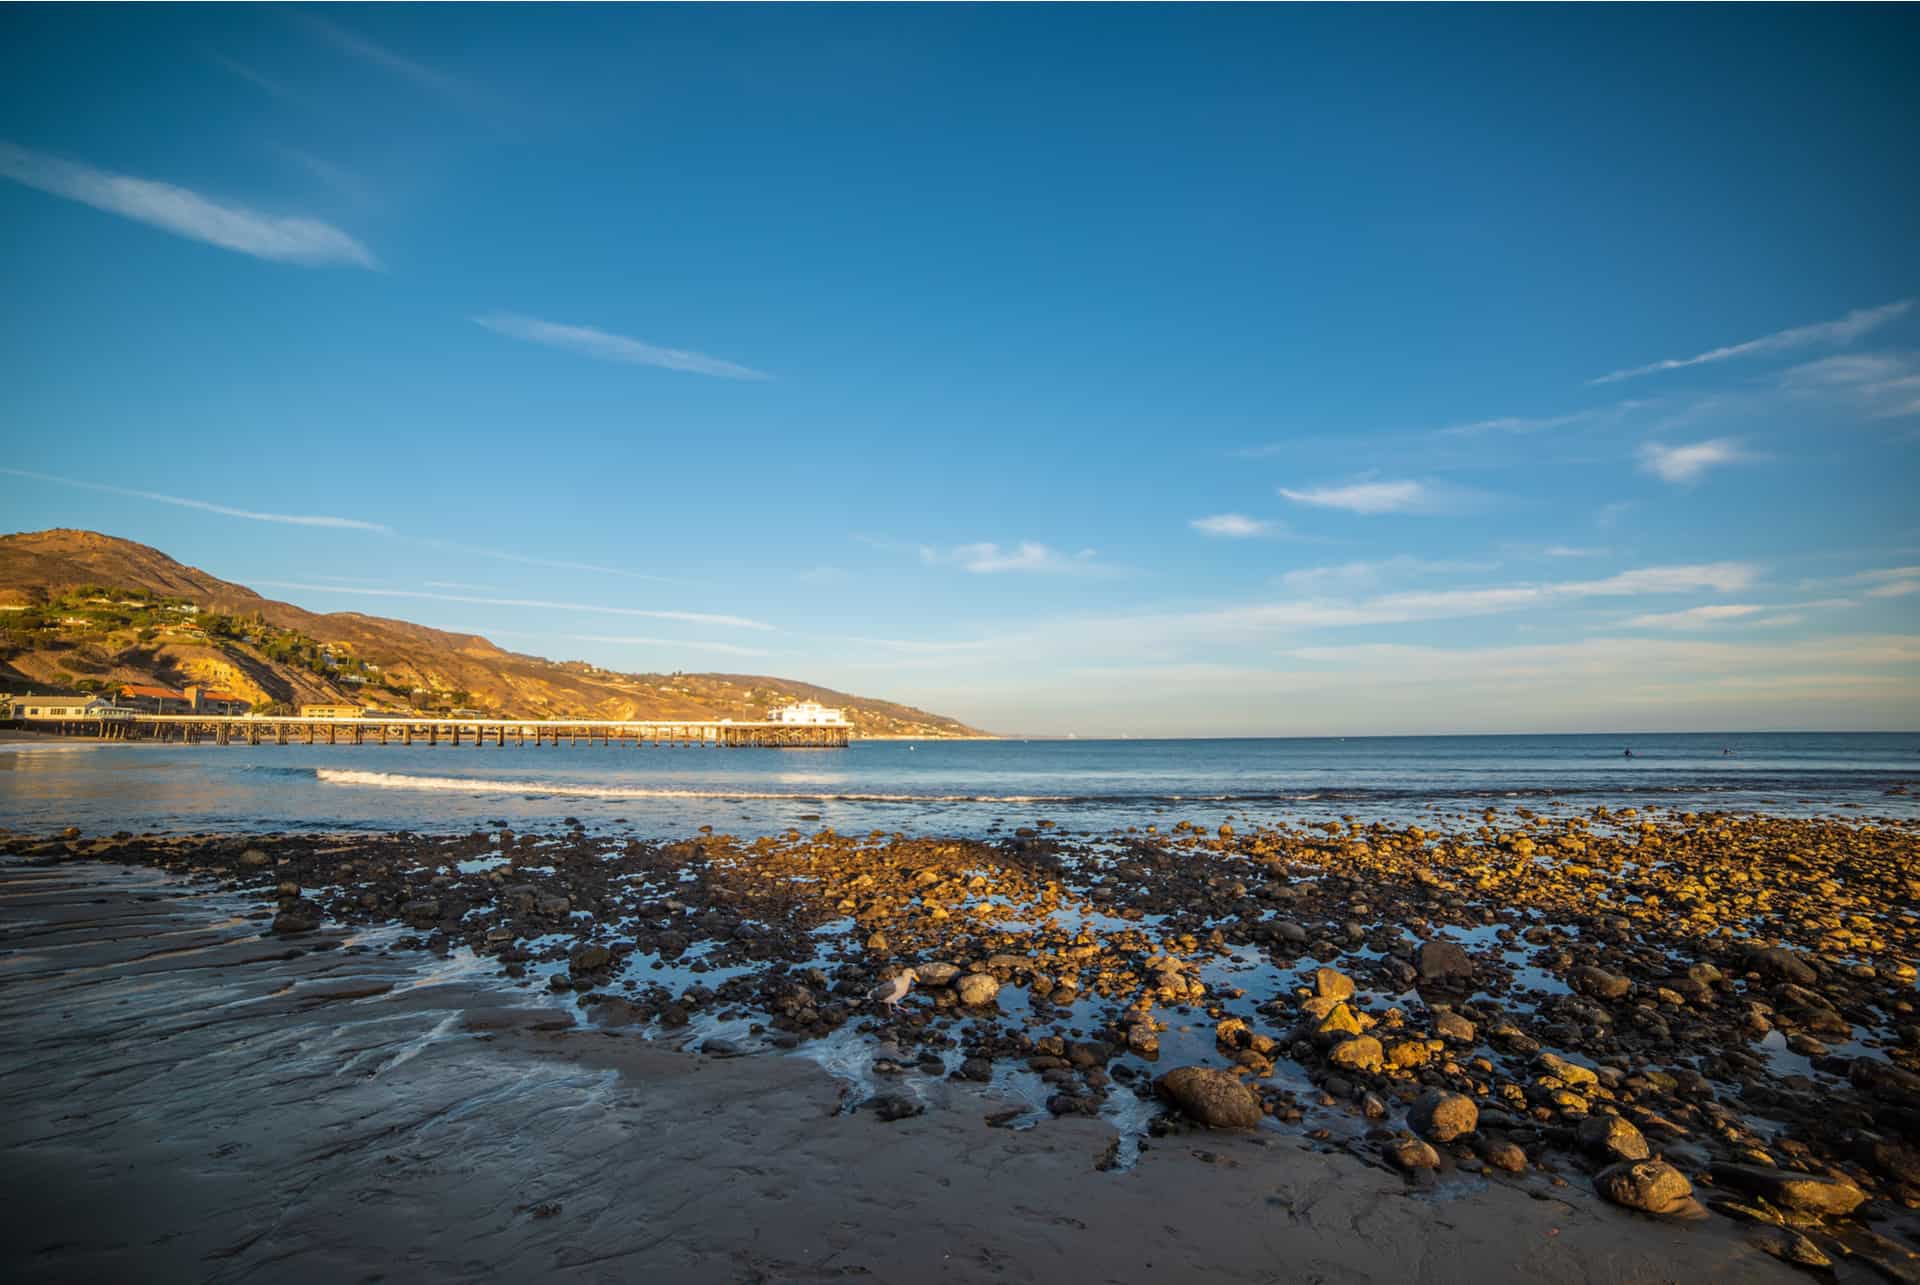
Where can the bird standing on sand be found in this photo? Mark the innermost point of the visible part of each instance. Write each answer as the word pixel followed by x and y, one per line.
pixel 892 992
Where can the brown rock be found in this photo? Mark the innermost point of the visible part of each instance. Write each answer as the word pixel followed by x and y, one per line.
pixel 1214 1097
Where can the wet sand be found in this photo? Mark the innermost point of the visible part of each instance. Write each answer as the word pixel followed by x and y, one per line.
pixel 188 1096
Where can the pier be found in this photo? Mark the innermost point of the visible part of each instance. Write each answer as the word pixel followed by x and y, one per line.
pixel 196 729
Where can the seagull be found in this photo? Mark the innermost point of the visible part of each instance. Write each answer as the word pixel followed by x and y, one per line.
pixel 892 992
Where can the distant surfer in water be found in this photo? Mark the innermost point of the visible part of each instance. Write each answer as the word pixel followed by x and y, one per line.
pixel 1626 753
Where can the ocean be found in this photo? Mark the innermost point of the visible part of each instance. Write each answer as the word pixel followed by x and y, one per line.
pixel 972 788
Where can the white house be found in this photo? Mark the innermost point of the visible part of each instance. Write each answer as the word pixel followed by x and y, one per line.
pixel 810 713
pixel 66 707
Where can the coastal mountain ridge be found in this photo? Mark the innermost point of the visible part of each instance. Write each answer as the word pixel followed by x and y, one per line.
pixel 84 611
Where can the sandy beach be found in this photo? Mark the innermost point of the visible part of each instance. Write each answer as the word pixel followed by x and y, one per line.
pixel 491 1056
pixel 189 1100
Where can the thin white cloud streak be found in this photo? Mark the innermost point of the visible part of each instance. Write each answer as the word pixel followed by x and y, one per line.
pixel 284 239
pixel 1895 589
pixel 558 564
pixel 1841 331
pixel 1570 551
pixel 986 558
pixel 1168 635
pixel 1603 684
pixel 1884 385
pixel 1686 463
pixel 259 81
pixel 1366 498
pixel 603 346
pixel 380 56
pixel 1354 577
pixel 1234 526
pixel 539 604
pixel 1522 424
pixel 207 506
pixel 1697 617
pixel 731 649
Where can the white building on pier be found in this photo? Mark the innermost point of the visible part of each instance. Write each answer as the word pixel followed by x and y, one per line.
pixel 808 714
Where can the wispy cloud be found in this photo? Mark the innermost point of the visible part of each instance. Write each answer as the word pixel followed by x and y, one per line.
pixel 1841 331
pixel 1571 551
pixel 1521 424
pixel 608 347
pixel 1696 617
pixel 986 558
pixel 1882 385
pixel 409 69
pixel 1235 526
pixel 558 564
pixel 1894 589
pixel 681 644
pixel 260 80
pixel 1355 577
pixel 208 506
pixel 1686 463
pixel 285 239
pixel 539 604
pixel 1370 498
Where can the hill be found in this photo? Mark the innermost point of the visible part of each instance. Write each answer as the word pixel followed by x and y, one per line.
pixel 84 611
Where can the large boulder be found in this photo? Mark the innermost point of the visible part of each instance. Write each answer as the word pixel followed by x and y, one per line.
pixel 589 959
pixel 1361 1053
pixel 1598 983
pixel 1884 1080
pixel 1567 1072
pixel 1651 1186
pixel 1440 1116
pixel 1215 1098
pixel 977 990
pixel 936 974
pixel 1780 964
pixel 1331 983
pixel 1804 1193
pixel 1443 963
pixel 297 915
pixel 1614 1138
pixel 1410 1155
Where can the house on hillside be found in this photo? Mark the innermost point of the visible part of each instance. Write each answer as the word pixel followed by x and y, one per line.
pixel 807 713
pixel 147 699
pixel 331 711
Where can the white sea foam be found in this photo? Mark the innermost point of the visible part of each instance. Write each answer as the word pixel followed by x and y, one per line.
pixel 488 785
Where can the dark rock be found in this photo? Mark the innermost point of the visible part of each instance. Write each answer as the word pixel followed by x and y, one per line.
pixel 1214 1097
pixel 1802 1192
pixel 1442 963
pixel 1441 1116
pixel 1614 1138
pixel 1781 964
pixel 1598 983
pixel 1409 1155
pixel 296 917
pixel 1651 1186
pixel 589 959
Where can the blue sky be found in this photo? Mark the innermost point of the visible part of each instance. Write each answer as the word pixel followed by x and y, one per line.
pixel 1073 369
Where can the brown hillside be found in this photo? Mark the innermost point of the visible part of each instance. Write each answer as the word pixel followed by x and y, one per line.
pixel 400 664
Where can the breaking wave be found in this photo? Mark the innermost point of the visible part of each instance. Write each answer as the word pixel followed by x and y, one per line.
pixel 481 785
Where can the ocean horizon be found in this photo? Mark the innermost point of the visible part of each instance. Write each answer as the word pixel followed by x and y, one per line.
pixel 972 787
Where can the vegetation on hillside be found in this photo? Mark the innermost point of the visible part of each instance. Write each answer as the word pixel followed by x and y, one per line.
pixel 81 611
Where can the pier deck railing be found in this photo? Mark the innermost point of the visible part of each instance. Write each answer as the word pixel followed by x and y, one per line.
pixel 293 730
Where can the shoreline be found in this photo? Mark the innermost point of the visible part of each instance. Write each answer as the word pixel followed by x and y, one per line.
pixel 338 1115
pixel 1313 976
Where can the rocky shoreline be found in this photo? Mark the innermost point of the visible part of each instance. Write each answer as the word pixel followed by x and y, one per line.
pixel 1694 1017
